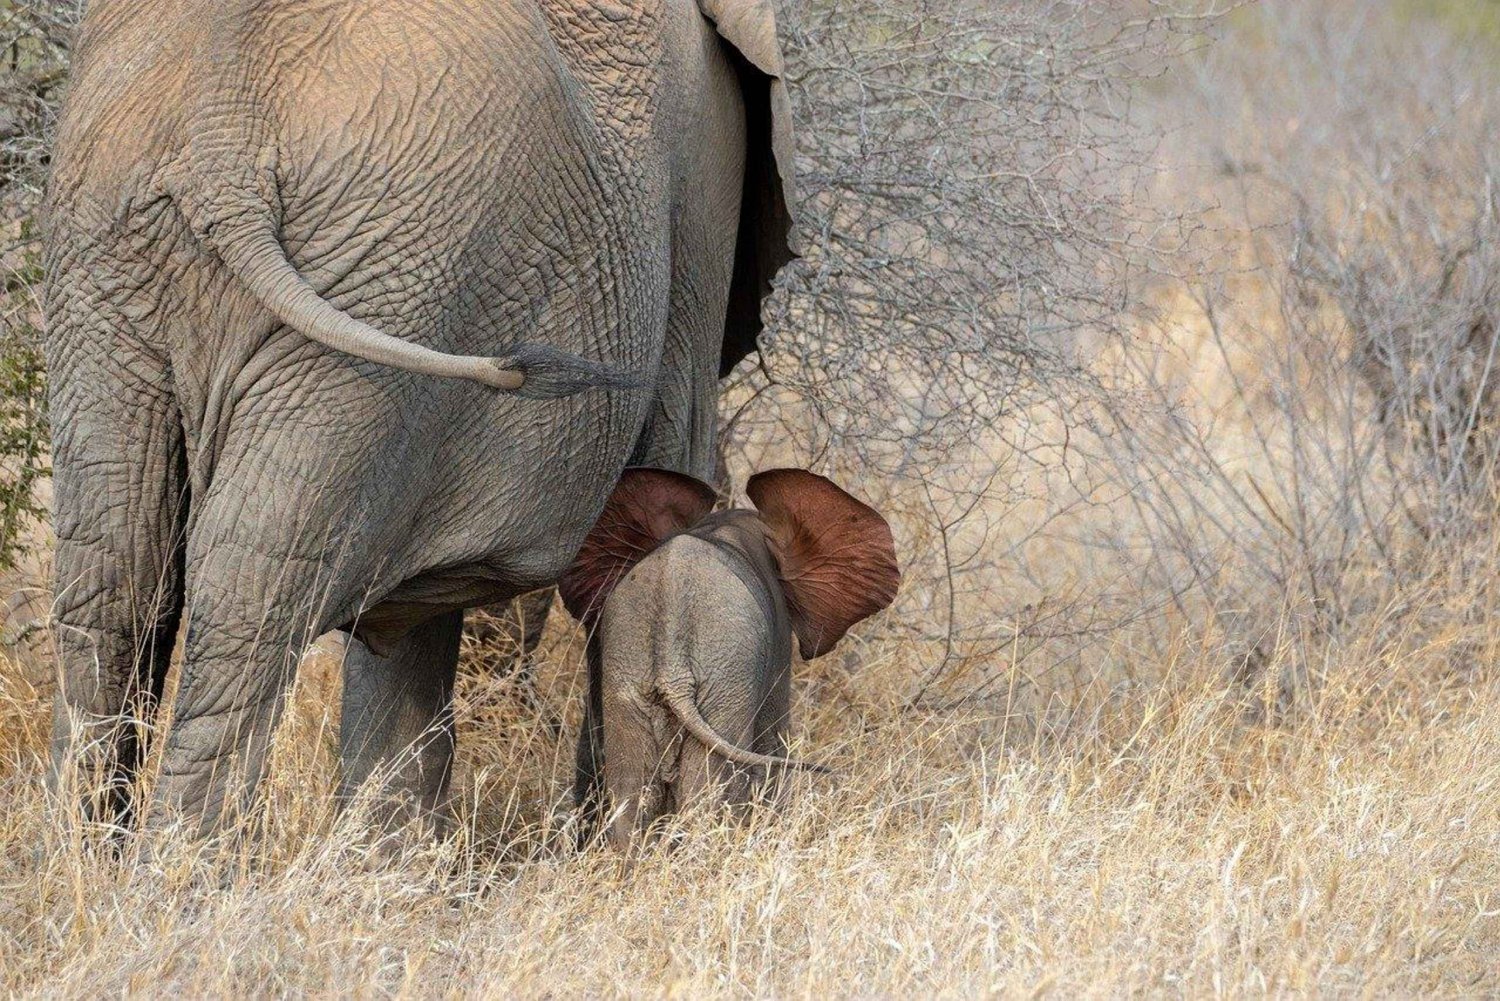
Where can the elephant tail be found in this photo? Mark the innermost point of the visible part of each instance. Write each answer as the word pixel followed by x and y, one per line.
pixel 686 711
pixel 534 371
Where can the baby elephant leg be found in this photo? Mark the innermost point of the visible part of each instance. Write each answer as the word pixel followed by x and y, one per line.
pixel 705 777
pixel 639 751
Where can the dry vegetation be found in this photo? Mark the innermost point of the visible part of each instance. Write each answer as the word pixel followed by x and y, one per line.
pixel 1193 688
pixel 1150 838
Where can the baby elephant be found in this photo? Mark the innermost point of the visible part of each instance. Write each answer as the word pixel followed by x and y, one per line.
pixel 695 613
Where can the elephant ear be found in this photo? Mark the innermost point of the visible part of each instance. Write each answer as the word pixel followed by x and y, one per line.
pixel 648 507
pixel 837 556
pixel 768 208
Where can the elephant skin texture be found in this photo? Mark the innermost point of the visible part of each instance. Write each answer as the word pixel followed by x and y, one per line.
pixel 357 310
pixel 694 614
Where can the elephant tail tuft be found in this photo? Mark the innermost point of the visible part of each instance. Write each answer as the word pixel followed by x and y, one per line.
pixel 549 373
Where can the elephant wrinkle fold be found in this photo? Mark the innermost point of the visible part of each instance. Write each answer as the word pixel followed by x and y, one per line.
pixel 294 248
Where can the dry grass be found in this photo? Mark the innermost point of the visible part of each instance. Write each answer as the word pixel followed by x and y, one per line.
pixel 1173 835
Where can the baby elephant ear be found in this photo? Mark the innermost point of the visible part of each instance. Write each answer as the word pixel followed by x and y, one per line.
pixel 648 507
pixel 837 557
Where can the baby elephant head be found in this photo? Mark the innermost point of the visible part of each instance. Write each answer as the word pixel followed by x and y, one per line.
pixel 695 613
pixel 834 556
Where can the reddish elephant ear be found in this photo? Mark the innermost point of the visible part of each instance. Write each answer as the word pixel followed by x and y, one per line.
pixel 837 557
pixel 648 507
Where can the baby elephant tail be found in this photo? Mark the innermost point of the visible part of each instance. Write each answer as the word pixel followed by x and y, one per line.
pixel 686 711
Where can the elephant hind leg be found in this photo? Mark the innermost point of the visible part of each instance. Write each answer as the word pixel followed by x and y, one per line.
pixel 270 567
pixel 704 777
pixel 640 754
pixel 257 596
pixel 590 792
pixel 397 722
pixel 120 474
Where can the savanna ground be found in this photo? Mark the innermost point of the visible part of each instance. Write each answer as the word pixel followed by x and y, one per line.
pixel 1194 685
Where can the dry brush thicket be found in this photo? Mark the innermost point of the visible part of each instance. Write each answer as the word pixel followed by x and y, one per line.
pixel 1168 345
pixel 34 56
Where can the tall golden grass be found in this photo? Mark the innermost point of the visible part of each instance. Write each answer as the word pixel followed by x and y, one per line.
pixel 1176 834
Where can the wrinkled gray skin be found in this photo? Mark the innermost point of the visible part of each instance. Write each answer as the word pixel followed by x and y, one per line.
pixel 696 651
pixel 270 223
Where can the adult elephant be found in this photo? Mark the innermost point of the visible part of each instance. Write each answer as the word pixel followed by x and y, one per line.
pixel 357 311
